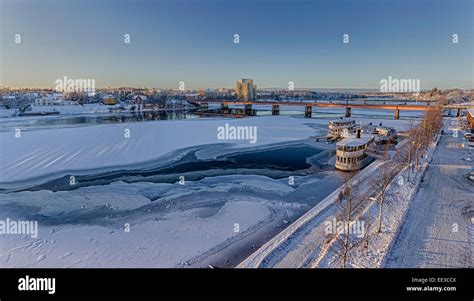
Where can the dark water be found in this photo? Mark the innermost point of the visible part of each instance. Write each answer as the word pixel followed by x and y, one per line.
pixel 92 119
pixel 290 160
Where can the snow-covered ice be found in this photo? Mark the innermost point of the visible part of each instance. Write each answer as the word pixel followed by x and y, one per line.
pixel 39 153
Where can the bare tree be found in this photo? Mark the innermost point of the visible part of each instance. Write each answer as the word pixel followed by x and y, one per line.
pixel 420 137
pixel 407 149
pixel 380 183
pixel 427 130
pixel 419 140
pixel 349 205
pixel 368 222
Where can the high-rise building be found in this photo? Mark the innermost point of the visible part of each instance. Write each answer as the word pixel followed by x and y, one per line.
pixel 246 90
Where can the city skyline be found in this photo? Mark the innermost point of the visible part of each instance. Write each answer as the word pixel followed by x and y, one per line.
pixel 193 42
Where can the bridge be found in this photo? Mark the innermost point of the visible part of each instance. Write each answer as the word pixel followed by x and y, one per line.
pixel 396 108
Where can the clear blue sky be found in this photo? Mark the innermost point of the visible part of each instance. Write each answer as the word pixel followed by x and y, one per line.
pixel 280 41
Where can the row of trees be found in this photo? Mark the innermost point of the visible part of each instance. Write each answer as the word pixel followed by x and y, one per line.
pixel 420 137
pixel 355 202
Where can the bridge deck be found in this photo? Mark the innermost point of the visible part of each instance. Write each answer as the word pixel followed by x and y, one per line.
pixel 339 105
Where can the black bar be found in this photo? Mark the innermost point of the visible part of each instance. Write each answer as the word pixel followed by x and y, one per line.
pixel 240 282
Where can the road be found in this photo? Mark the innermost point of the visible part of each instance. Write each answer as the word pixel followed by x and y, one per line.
pixel 439 226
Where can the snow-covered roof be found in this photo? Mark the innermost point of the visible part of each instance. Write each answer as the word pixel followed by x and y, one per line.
pixel 340 120
pixel 353 141
pixel 470 110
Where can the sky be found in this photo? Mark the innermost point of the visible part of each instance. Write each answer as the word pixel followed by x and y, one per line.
pixel 280 41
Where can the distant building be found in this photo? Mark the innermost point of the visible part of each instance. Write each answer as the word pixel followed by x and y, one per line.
pixel 210 94
pixel 149 91
pixel 9 101
pixel 138 99
pixel 109 100
pixel 470 117
pixel 246 90
pixel 53 99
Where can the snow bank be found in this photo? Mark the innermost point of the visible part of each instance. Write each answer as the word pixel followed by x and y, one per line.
pixel 167 242
pixel 281 244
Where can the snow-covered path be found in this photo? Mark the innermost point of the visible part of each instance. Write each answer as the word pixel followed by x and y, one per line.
pixel 438 231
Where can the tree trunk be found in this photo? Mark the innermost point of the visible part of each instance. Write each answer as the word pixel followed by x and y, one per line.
pixel 367 231
pixel 409 164
pixel 380 213
pixel 346 247
pixel 346 240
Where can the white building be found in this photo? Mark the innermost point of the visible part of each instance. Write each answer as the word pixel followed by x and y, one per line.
pixel 53 99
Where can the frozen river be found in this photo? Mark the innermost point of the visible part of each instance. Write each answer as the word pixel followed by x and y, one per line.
pixel 170 194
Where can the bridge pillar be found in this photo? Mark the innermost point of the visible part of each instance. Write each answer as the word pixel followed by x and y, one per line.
pixel 348 112
pixel 458 114
pixel 248 109
pixel 275 109
pixel 224 108
pixel 397 114
pixel 308 111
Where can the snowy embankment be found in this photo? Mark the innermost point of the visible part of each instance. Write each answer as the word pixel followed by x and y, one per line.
pixel 283 244
pixel 305 243
pixel 403 189
pixel 396 212
pixel 37 155
pixel 399 197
